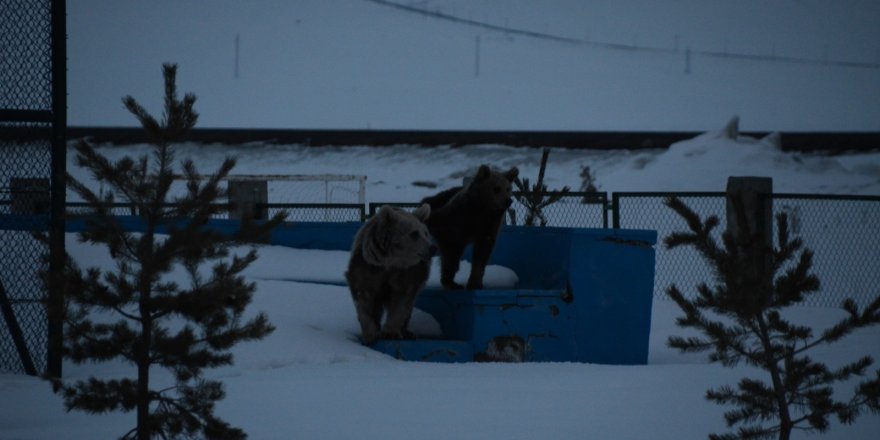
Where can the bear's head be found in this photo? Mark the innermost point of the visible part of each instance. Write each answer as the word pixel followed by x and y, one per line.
pixel 492 189
pixel 398 239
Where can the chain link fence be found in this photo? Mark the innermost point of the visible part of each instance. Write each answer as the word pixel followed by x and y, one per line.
pixel 83 209
pixel 840 230
pixel 573 210
pixel 319 212
pixel 25 55
pixel 681 266
pixel 24 191
pixel 32 123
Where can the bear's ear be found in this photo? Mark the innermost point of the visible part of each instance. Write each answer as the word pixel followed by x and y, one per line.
pixel 512 174
pixel 385 214
pixel 423 212
pixel 483 172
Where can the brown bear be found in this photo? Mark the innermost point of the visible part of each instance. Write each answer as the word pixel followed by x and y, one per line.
pixel 469 214
pixel 389 264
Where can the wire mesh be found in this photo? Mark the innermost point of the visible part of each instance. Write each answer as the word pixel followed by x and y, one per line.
pixel 26 106
pixel 572 210
pixel 82 209
pixel 842 233
pixel 681 266
pixel 840 230
pixel 373 208
pixel 318 212
pixel 25 55
pixel 24 197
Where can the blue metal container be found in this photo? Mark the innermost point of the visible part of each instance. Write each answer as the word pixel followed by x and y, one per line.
pixel 583 295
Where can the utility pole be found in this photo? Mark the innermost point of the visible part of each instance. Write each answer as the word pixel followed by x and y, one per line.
pixel 477 58
pixel 687 60
pixel 236 55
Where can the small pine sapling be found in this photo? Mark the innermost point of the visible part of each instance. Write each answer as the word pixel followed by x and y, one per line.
pixel 139 315
pixel 740 319
pixel 535 198
pixel 588 186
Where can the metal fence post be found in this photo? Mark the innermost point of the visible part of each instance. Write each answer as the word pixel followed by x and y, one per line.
pixel 615 210
pixel 249 199
pixel 750 217
pixel 755 195
pixel 55 296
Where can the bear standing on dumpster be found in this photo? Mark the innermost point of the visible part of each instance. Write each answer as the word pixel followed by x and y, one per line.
pixel 389 264
pixel 470 214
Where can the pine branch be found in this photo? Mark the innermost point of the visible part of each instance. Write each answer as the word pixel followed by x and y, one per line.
pixel 97 397
pixel 846 326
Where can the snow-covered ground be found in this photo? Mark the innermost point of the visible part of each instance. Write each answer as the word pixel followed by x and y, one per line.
pixel 313 379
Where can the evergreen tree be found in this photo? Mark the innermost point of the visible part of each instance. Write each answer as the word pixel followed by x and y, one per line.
pixel 156 322
pixel 536 197
pixel 588 185
pixel 740 320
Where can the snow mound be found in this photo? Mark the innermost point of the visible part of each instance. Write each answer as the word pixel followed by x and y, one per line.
pixel 707 160
pixel 495 277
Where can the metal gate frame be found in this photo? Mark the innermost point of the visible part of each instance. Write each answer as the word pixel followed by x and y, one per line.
pixel 17 125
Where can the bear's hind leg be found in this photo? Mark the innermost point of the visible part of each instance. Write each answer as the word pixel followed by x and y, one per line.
pixel 369 314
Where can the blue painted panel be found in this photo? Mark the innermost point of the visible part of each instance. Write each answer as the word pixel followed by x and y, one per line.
pixel 540 260
pixel 325 236
pixel 305 235
pixel 450 309
pixel 515 325
pixel 24 222
pixel 612 279
pixel 427 350
pixel 531 328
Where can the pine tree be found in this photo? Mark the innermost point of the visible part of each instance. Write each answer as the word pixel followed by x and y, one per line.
pixel 740 320
pixel 536 197
pixel 156 322
pixel 589 187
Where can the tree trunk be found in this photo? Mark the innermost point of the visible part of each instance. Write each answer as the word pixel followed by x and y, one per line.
pixel 144 430
pixel 144 427
pixel 785 424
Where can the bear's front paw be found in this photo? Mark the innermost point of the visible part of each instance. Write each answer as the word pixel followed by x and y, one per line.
pixel 404 334
pixel 474 285
pixel 451 285
pixel 369 339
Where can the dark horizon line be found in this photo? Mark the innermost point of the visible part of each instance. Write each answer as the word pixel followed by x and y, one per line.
pixel 819 141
